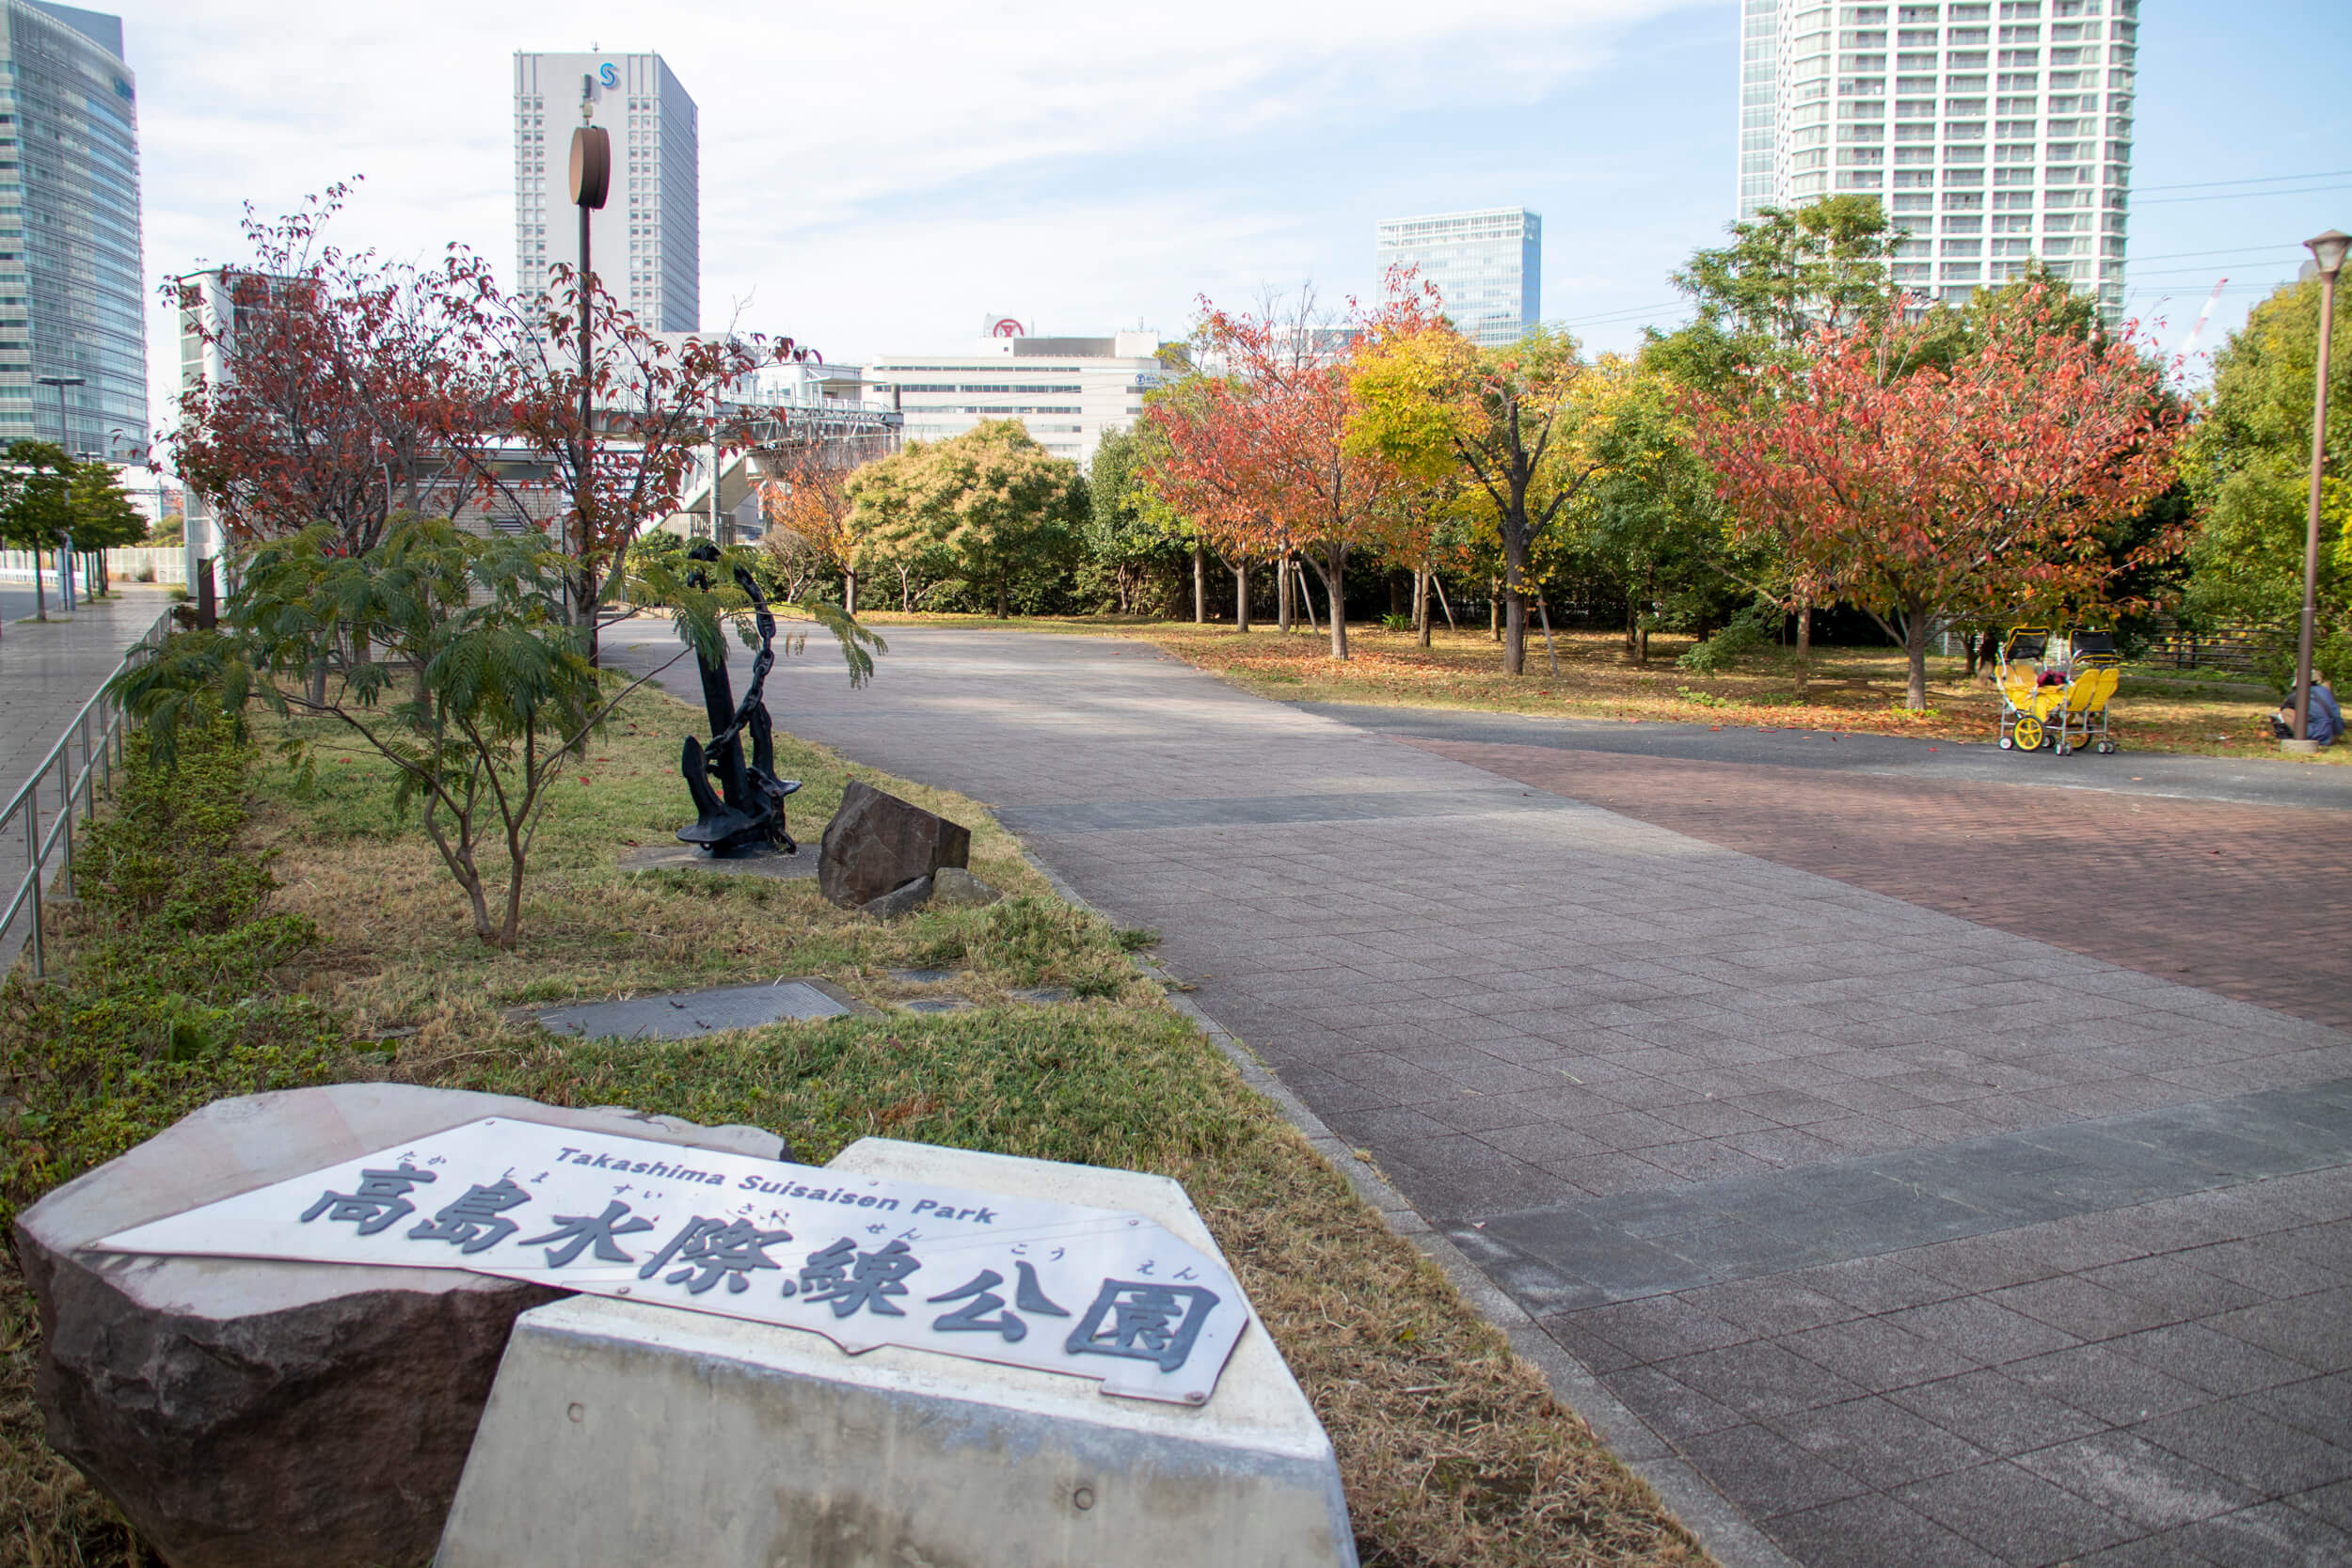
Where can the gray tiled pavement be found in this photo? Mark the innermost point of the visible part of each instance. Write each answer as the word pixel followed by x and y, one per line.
pixel 47 674
pixel 48 671
pixel 2134 1345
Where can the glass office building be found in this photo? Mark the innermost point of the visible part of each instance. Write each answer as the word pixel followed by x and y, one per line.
pixel 646 241
pixel 71 291
pixel 1488 267
pixel 1995 130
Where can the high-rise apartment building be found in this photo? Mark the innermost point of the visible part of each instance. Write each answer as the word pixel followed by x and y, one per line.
pixel 71 281
pixel 1488 267
pixel 645 244
pixel 1994 130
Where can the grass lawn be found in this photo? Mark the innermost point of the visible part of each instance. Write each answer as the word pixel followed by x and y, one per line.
pixel 1851 689
pixel 189 977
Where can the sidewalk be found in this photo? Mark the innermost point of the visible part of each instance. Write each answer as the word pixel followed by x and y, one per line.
pixel 1920 1240
pixel 48 671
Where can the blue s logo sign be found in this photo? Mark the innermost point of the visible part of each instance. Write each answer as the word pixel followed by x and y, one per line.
pixel 608 75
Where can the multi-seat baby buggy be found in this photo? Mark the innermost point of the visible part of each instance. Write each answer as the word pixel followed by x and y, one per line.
pixel 2055 690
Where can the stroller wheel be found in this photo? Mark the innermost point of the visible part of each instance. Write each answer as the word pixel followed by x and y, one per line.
pixel 2063 748
pixel 2007 744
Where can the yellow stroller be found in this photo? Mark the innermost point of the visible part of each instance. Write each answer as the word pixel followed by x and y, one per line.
pixel 2055 690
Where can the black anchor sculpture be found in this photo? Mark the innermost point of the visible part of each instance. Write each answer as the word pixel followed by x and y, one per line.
pixel 747 810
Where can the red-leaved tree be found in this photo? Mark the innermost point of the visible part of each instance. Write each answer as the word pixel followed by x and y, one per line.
pixel 1990 486
pixel 1199 464
pixel 656 405
pixel 1266 447
pixel 353 388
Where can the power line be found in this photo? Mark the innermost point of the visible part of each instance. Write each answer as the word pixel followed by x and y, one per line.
pixel 2175 255
pixel 2242 196
pixel 1607 318
pixel 2251 179
pixel 2210 269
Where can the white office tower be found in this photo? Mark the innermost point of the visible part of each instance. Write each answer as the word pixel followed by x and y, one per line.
pixel 1994 130
pixel 645 244
pixel 1487 267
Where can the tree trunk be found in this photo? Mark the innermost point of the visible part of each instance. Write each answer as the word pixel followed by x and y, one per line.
pixel 1421 603
pixel 849 592
pixel 40 605
pixel 1396 593
pixel 1335 595
pixel 1331 565
pixel 1306 594
pixel 1494 608
pixel 1916 647
pixel 1805 644
pixel 1000 600
pixel 1514 608
pixel 1199 586
pixel 1283 595
pixel 1649 594
pixel 1241 597
pixel 1438 584
pixel 1632 615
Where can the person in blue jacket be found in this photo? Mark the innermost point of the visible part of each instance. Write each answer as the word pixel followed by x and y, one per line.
pixel 2327 718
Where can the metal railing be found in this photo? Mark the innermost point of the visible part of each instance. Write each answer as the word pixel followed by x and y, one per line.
pixel 69 791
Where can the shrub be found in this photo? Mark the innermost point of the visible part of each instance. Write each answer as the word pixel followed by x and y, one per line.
pixel 1749 631
pixel 167 1002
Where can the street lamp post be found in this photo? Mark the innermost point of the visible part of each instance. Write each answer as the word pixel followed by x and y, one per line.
pixel 2327 252
pixel 65 444
pixel 592 177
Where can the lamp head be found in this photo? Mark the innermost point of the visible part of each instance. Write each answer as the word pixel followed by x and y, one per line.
pixel 2329 249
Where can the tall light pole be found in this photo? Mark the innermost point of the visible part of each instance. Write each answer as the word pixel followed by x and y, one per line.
pixel 2327 252
pixel 65 444
pixel 592 177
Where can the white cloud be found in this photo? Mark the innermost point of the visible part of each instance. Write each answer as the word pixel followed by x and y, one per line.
pixel 872 178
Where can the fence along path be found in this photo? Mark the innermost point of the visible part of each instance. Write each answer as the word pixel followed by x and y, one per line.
pixel 59 742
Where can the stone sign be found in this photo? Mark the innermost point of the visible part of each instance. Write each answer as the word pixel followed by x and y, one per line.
pixel 864 1261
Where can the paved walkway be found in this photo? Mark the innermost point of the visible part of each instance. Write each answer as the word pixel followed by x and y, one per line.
pixel 1924 1240
pixel 47 673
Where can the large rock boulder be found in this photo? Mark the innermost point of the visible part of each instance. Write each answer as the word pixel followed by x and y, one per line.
pixel 260 1413
pixel 877 843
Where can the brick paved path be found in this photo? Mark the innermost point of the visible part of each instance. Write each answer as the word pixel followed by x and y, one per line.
pixel 2250 901
pixel 1915 1262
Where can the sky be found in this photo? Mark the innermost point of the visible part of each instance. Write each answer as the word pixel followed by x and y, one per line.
pixel 882 180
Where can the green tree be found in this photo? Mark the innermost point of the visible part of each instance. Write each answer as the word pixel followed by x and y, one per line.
pixel 35 504
pixel 495 684
pixel 1649 519
pixel 1000 505
pixel 886 530
pixel 1125 535
pixel 104 516
pixel 1507 422
pixel 1789 274
pixel 2248 469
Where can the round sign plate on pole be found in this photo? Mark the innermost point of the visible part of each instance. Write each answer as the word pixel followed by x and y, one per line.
pixel 591 165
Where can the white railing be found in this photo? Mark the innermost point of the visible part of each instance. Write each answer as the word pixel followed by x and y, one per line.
pixel 167 562
pixel 71 791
